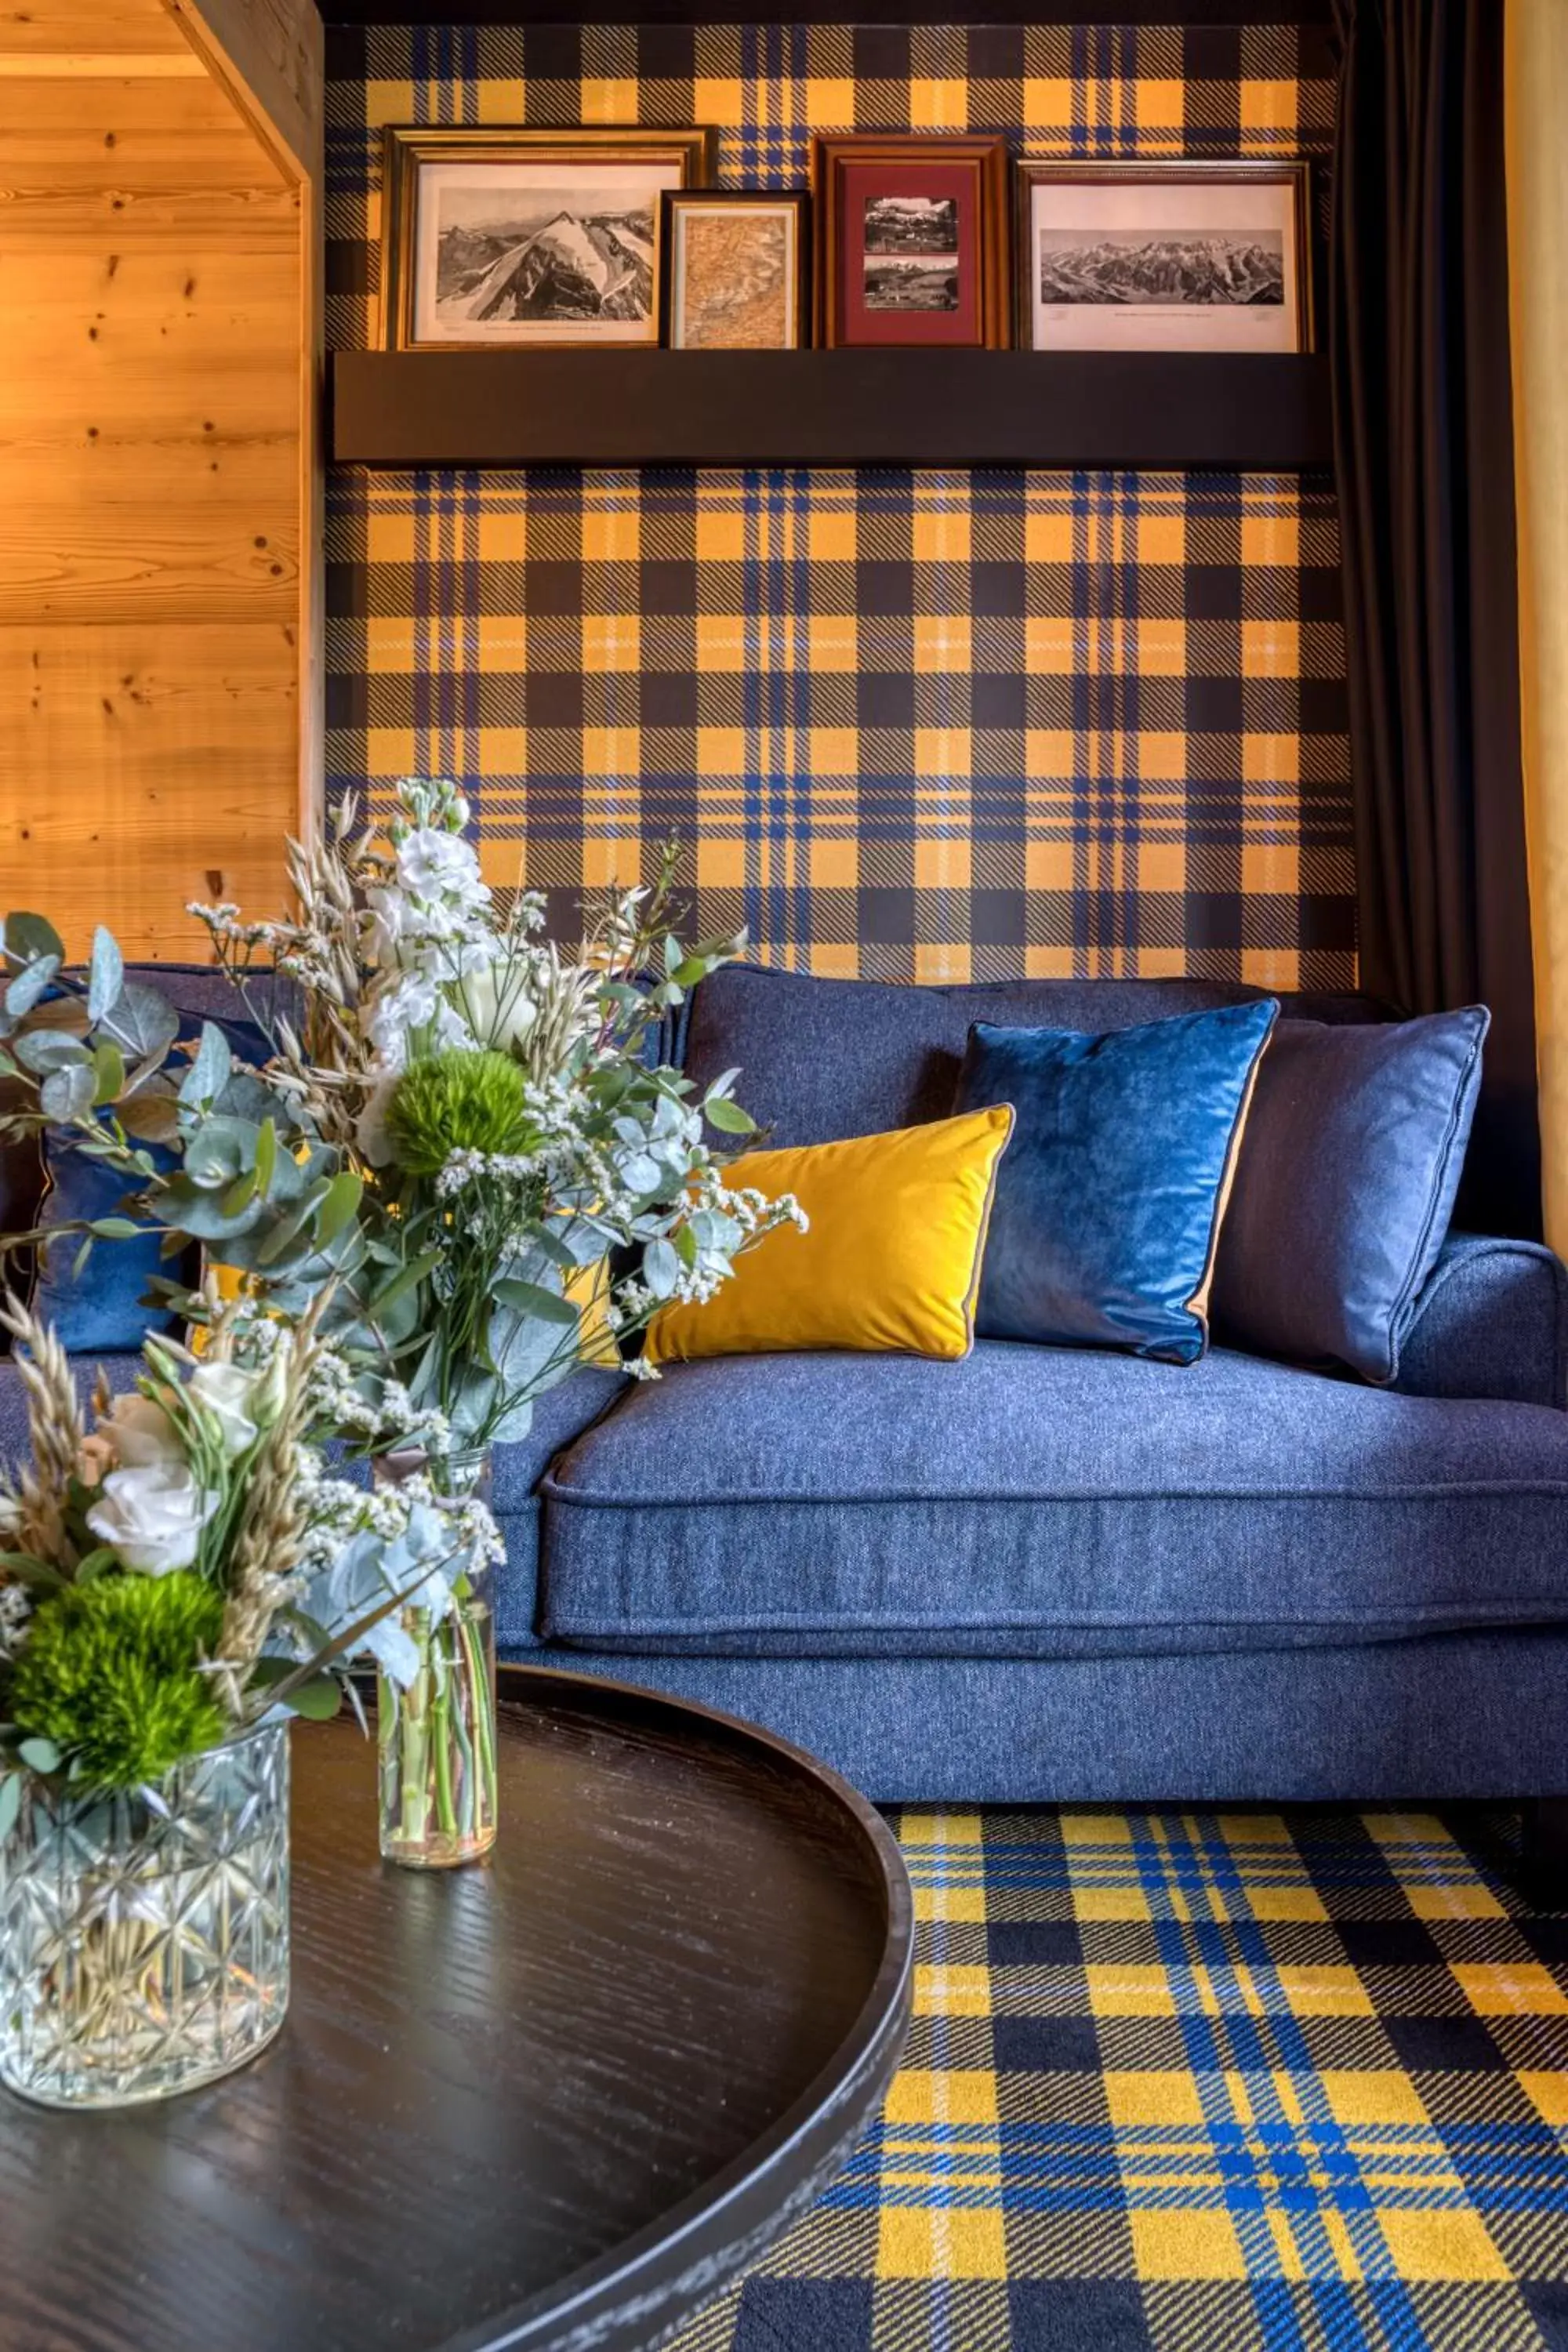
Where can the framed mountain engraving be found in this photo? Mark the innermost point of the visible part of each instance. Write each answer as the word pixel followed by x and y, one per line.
pixel 497 239
pixel 1163 258
pixel 911 241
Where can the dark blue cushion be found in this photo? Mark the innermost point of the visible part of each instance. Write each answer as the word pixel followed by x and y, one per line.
pixel 1344 1185
pixel 1109 1196
pixel 1045 1502
pixel 99 1309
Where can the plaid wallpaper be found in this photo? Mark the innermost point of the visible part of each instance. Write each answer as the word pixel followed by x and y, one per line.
pixel 908 726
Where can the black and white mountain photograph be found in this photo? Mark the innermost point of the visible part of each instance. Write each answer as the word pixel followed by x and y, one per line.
pixel 1209 267
pixel 552 253
pixel 912 281
pixel 557 255
pixel 912 224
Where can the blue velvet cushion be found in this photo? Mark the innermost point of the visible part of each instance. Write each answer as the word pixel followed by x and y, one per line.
pixel 1110 1194
pixel 100 1310
pixel 1344 1186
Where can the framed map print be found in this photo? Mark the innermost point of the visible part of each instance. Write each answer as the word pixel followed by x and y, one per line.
pixel 734 274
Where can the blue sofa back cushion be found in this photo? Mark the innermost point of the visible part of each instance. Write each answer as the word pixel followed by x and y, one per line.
pixel 1110 1194
pixel 100 1310
pixel 1344 1188
pixel 825 1058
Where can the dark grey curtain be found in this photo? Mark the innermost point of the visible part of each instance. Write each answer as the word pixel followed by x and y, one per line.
pixel 1423 443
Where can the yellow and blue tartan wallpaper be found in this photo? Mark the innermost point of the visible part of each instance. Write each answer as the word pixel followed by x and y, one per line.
pixel 920 726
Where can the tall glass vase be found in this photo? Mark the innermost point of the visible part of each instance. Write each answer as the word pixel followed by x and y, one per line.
pixel 144 1933
pixel 436 1738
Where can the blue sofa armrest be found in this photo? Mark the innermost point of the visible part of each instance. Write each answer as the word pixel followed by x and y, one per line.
pixel 1492 1321
pixel 559 1418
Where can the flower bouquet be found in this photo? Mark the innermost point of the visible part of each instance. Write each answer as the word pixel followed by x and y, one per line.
pixel 174 1581
pixel 468 1148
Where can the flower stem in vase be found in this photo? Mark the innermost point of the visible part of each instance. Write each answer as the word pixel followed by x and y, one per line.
pixel 438 1743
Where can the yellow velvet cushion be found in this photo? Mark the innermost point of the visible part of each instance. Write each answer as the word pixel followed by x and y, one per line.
pixel 891 1262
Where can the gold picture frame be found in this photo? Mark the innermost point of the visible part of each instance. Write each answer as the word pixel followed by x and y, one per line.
pixel 744 284
pixel 1245 207
pixel 502 239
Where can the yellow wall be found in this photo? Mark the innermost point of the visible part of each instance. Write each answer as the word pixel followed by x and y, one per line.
pixel 155 292
pixel 1538 256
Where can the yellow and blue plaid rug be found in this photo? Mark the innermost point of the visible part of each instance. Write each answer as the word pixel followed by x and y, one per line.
pixel 1201 2083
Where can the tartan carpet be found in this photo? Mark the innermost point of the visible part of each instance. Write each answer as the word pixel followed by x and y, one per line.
pixel 1200 2082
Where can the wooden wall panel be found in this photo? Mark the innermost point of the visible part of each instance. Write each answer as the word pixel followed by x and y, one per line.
pixel 156 412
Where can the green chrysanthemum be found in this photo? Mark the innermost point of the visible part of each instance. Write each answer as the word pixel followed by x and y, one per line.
pixel 111 1673
pixel 457 1102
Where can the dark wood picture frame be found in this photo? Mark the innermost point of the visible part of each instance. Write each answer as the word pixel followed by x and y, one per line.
pixel 795 200
pixel 407 149
pixel 984 159
pixel 1030 172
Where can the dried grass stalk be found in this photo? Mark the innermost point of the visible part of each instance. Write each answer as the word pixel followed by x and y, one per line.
pixel 33 1512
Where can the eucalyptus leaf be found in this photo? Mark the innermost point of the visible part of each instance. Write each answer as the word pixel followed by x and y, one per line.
pixel 339 1206
pixel 39 1755
pixel 198 1212
pixel 266 1156
pixel 407 1280
pixel 142 1023
pixel 31 985
pixel 10 1801
pixel 65 1013
pixel 290 1227
pixel 106 974
pixel 317 1700
pixel 728 1117
pixel 117 1229
pixel 109 1071
pixel 661 1268
pixel 209 1070
pixel 239 1195
pixel 543 1306
pixel 68 1094
pixel 43 1050
pixel 220 1149
pixel 151 1118
pixel 29 936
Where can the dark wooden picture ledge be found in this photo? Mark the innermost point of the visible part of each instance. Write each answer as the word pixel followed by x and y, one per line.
pixel 1089 409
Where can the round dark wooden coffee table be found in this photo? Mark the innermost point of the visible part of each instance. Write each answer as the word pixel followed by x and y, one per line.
pixel 558 2102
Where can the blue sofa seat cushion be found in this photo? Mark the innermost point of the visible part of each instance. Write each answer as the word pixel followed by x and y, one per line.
pixel 1049 1503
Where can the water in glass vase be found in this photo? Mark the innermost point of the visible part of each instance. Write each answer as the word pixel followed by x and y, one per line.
pixel 144 1933
pixel 435 1731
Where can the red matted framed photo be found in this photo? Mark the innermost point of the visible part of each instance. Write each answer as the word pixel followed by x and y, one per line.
pixel 911 241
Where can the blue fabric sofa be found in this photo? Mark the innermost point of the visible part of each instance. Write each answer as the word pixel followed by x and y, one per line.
pixel 1057 1575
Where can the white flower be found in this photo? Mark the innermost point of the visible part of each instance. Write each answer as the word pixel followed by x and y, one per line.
pixel 434 864
pixel 498 1002
pixel 137 1435
pixel 153 1516
pixel 230 1398
pixel 409 1003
